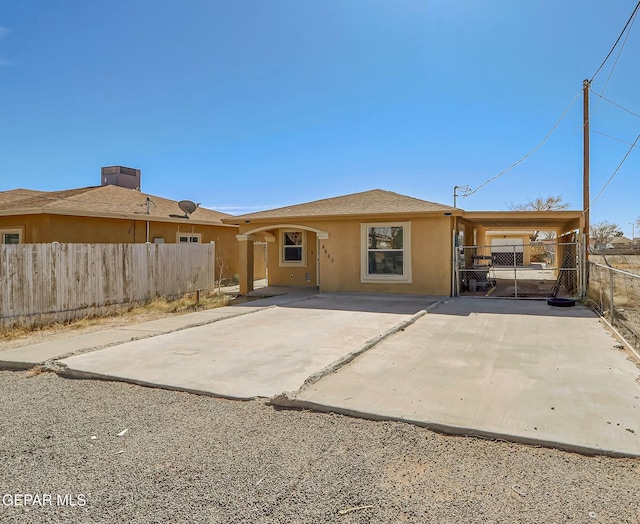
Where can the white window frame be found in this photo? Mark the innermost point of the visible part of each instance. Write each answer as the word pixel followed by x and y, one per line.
pixel 293 263
pixel 191 236
pixel 12 231
pixel 365 277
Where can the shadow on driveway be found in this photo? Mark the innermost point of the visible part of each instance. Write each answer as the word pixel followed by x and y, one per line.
pixel 505 306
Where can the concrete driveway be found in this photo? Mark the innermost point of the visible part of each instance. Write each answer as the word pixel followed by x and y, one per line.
pixel 516 370
pixel 272 349
pixel 510 369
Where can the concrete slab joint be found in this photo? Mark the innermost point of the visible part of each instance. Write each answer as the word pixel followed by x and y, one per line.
pixel 285 397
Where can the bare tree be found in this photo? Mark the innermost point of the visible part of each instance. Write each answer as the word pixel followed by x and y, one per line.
pixel 602 232
pixel 220 264
pixel 551 203
pixel 548 235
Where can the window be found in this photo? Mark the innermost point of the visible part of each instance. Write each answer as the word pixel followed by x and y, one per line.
pixel 386 252
pixel 292 248
pixel 184 238
pixel 11 236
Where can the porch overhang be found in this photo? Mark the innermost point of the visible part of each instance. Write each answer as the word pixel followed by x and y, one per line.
pixel 267 233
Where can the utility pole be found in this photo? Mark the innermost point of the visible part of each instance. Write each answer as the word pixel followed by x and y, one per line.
pixel 585 170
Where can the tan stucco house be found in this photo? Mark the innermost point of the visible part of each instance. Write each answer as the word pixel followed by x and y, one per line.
pixel 111 214
pixel 376 241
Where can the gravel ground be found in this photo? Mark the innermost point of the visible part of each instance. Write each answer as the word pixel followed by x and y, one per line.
pixel 188 458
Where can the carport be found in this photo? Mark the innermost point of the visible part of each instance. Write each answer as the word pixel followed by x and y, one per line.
pixel 503 254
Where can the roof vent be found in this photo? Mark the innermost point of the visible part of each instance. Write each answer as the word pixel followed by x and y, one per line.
pixel 120 176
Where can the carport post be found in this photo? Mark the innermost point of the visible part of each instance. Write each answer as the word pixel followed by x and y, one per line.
pixel 584 266
pixel 515 276
pixel 454 265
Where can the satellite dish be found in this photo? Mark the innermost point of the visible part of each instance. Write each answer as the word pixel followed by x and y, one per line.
pixel 187 206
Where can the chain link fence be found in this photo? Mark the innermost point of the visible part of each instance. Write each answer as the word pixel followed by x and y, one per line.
pixel 616 292
pixel 525 270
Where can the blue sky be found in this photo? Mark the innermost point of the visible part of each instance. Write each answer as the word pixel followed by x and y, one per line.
pixel 249 105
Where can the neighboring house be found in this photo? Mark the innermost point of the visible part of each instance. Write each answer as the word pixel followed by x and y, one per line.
pixel 112 214
pixel 374 241
pixel 611 243
pixel 104 214
pixel 620 242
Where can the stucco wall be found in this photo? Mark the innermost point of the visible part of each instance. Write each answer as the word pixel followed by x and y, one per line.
pixel 44 229
pixel 340 257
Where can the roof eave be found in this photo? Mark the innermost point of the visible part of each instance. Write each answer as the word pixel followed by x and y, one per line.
pixel 26 211
pixel 344 216
pixel 121 216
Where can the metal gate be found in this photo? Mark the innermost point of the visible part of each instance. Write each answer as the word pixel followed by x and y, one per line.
pixel 520 270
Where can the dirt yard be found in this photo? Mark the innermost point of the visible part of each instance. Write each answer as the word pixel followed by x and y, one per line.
pixel 154 310
pixel 190 458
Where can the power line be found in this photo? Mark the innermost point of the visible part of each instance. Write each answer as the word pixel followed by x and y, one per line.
pixel 564 113
pixel 604 88
pixel 614 174
pixel 612 137
pixel 615 104
pixel 627 25
pixel 617 41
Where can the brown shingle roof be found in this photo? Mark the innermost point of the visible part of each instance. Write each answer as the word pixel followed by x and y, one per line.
pixel 105 201
pixel 374 202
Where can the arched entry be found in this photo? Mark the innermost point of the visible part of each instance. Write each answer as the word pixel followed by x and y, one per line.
pixel 293 258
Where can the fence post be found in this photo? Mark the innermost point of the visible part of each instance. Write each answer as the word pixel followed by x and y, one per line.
pixel 611 291
pixel 213 262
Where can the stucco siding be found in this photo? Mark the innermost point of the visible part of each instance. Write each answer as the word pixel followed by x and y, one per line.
pixel 341 257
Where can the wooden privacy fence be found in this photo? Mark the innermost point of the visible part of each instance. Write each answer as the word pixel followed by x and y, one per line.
pixel 42 283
